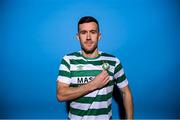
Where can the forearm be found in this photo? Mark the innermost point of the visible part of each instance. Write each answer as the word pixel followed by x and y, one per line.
pixel 65 93
pixel 128 104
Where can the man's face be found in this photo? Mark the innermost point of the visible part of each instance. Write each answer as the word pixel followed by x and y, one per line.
pixel 88 35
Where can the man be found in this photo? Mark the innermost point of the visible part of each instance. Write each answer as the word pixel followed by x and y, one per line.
pixel 86 78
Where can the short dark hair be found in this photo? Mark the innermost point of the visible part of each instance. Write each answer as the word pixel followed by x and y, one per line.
pixel 87 19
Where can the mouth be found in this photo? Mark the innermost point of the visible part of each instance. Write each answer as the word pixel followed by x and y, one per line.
pixel 89 46
pixel 88 43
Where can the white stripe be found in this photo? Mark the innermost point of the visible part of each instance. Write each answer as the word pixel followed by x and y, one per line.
pixel 104 104
pixel 64 79
pixel 63 67
pixel 66 58
pixel 119 74
pixel 98 59
pixel 86 67
pixel 123 84
pixel 94 105
pixel 117 61
pixel 102 91
pixel 92 94
pixel 106 90
pixel 74 117
pixel 74 80
pixel 76 58
pixel 90 67
pixel 97 117
pixel 110 113
pixel 106 58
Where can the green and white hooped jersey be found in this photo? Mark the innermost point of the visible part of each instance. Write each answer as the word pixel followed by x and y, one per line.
pixel 77 70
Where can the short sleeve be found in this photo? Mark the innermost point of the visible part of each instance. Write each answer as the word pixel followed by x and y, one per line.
pixel 64 71
pixel 119 75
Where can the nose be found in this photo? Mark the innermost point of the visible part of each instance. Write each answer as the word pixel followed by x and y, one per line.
pixel 88 37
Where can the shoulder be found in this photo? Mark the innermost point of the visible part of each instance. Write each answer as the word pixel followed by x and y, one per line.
pixel 104 54
pixel 77 54
pixel 107 54
pixel 71 55
pixel 110 56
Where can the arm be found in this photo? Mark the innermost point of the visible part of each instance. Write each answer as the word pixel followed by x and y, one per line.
pixel 128 102
pixel 64 92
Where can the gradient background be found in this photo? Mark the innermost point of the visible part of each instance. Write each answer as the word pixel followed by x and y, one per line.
pixel 36 34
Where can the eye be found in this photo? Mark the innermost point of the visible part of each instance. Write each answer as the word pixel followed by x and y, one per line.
pixel 83 32
pixel 93 31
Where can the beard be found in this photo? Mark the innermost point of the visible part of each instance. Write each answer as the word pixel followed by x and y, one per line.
pixel 90 51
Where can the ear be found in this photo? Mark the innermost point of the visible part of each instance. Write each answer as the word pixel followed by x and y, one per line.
pixel 77 36
pixel 99 36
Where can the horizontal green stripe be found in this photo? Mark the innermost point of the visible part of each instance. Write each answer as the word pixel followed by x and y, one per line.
pixel 118 68
pixel 88 73
pixel 98 98
pixel 64 73
pixel 110 83
pixel 100 62
pixel 120 79
pixel 91 112
pixel 65 63
pixel 85 73
pixel 110 73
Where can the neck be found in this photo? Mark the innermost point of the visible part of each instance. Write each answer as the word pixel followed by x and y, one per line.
pixel 91 55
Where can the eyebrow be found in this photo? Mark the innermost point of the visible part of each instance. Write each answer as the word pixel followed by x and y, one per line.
pixel 90 30
pixel 93 30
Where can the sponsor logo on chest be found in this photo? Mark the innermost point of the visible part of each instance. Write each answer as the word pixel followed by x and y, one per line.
pixel 82 80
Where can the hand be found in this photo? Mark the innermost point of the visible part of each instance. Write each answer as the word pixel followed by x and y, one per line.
pixel 100 80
